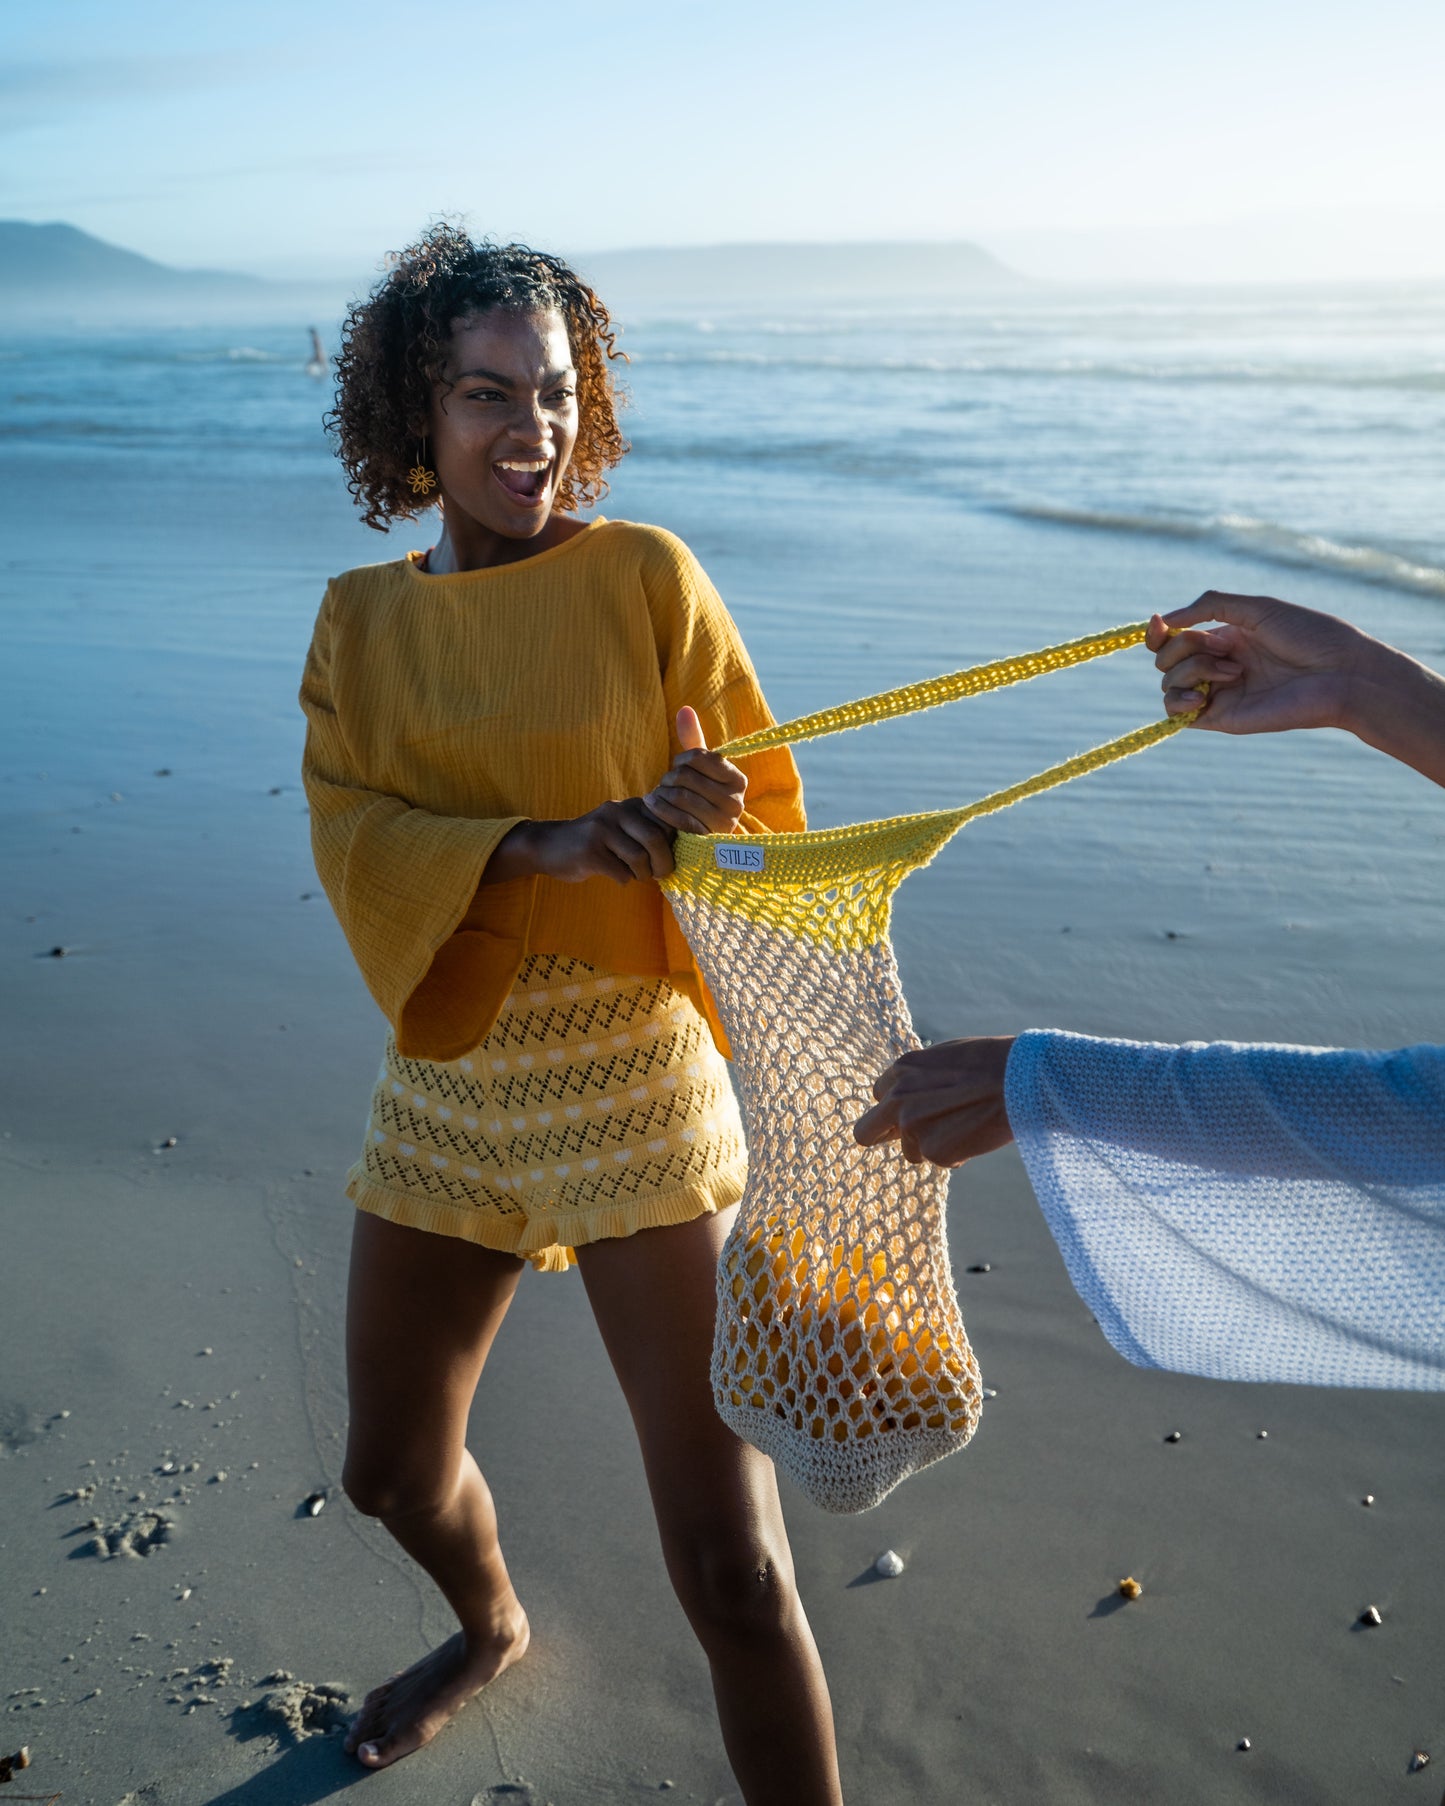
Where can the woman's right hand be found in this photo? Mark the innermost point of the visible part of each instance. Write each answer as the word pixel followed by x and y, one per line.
pixel 1271 666
pixel 1274 666
pixel 621 841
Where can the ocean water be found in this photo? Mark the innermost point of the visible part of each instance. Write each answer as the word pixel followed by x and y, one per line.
pixel 880 496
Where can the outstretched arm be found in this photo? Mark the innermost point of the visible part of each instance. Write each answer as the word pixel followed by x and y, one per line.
pixel 1266 666
pixel 1272 666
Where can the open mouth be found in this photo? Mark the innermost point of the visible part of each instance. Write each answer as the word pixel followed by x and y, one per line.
pixel 524 479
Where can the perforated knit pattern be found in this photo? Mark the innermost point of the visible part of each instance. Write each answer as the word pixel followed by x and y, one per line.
pixel 839 1348
pixel 596 1106
pixel 1245 1212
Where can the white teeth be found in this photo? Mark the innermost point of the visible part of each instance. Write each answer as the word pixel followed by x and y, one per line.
pixel 523 463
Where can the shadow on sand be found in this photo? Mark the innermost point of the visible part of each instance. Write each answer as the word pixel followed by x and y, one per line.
pixel 314 1769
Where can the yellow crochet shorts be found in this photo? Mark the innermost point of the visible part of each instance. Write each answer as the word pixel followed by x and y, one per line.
pixel 597 1106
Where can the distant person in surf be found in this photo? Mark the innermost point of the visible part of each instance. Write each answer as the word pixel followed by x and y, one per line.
pixel 316 363
pixel 1236 1211
pixel 505 733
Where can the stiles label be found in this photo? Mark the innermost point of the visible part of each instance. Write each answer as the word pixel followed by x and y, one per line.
pixel 733 856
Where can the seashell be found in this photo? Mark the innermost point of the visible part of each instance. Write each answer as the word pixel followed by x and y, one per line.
pixel 1368 1499
pixel 1421 1759
pixel 315 1502
pixel 1371 1615
pixel 11 1765
pixel 889 1565
pixel 1262 1436
pixel 1129 1588
pixel 1175 1436
pixel 1244 1744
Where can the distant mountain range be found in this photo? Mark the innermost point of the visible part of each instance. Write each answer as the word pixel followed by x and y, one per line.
pixel 58 271
pixel 43 264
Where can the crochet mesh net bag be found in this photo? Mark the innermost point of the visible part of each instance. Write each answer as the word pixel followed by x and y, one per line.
pixel 839 1350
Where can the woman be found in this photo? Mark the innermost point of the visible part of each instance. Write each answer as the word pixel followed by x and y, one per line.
pixel 1266 1213
pixel 489 728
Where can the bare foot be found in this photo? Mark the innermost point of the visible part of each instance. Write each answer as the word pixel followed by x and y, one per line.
pixel 407 1711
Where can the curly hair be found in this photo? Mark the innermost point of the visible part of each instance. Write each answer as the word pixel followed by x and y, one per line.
pixel 394 347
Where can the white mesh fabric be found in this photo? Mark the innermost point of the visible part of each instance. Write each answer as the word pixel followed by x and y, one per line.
pixel 839 1350
pixel 1245 1212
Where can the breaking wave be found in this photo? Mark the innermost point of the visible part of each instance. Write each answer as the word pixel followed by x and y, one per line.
pixel 1262 538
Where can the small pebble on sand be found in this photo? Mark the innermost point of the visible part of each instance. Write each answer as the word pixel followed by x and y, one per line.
pixel 1371 1615
pixel 58 952
pixel 169 1142
pixel 1421 1759
pixel 1129 1588
pixel 1244 1744
pixel 205 1351
pixel 316 1503
pixel 1368 1499
pixel 1262 1436
pixel 1175 1436
pixel 990 1392
pixel 982 1266
pixel 889 1565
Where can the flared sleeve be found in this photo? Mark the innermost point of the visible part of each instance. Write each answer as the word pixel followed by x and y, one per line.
pixel 1245 1212
pixel 437 955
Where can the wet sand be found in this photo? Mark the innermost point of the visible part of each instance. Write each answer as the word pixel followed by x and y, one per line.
pixel 188 1082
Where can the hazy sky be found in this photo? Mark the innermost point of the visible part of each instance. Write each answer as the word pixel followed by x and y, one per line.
pixel 307 139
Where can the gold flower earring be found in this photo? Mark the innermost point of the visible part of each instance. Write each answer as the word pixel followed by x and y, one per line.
pixel 421 477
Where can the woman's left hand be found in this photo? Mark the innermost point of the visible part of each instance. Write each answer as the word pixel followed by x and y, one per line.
pixel 702 792
pixel 942 1103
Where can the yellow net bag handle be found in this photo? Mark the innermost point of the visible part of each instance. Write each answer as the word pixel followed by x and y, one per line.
pixel 977 680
